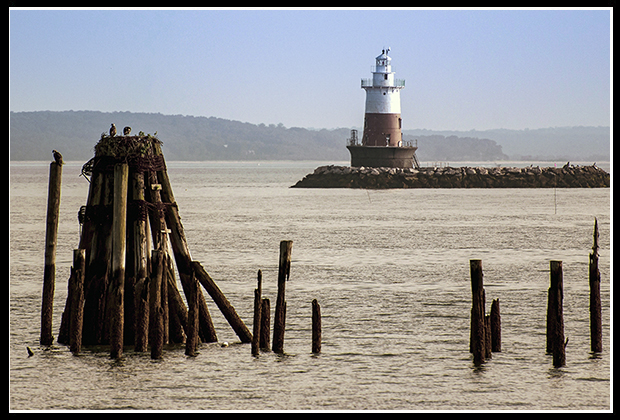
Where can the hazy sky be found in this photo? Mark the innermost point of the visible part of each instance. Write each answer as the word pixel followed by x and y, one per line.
pixel 464 69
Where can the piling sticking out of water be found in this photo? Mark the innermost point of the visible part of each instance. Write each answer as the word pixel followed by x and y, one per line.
pixel 51 236
pixel 256 325
pixel 596 323
pixel 316 326
pixel 279 321
pixel 485 335
pixel 555 315
pixel 478 334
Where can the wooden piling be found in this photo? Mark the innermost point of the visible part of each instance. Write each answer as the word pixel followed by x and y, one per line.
pixel 222 303
pixel 487 337
pixel 77 300
pixel 141 318
pixel 496 327
pixel 140 261
pixel 256 324
pixel 191 341
pixel 181 250
pixel 316 326
pixel 117 285
pixel 555 317
pixel 178 313
pixel 51 236
pixel 264 327
pixel 156 325
pixel 477 312
pixel 98 263
pixel 280 314
pixel 88 229
pixel 596 323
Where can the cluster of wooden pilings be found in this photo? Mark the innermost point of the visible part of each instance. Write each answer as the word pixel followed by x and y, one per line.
pixel 485 337
pixel 262 309
pixel 122 288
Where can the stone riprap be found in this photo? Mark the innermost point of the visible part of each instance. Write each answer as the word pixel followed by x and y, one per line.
pixel 569 176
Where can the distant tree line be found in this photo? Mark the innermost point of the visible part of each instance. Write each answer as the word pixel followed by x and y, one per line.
pixel 33 135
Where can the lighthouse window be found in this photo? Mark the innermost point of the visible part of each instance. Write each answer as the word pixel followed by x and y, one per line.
pixel 385 77
pixel 384 93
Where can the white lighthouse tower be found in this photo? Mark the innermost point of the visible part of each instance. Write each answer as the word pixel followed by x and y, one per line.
pixel 382 141
pixel 382 122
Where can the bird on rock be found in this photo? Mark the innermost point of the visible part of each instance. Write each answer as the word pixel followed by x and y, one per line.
pixel 112 130
pixel 57 157
pixel 126 131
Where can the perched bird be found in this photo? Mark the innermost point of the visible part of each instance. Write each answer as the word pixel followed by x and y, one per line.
pixel 126 131
pixel 57 157
pixel 112 130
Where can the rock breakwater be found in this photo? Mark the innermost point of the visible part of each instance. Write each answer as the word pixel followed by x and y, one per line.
pixel 569 176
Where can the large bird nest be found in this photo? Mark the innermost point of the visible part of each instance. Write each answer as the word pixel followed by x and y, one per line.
pixel 125 148
pixel 120 146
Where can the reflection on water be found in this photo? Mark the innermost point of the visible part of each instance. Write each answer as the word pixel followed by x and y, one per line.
pixel 389 268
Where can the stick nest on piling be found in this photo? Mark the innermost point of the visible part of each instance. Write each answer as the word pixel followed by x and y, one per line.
pixel 119 146
pixel 126 147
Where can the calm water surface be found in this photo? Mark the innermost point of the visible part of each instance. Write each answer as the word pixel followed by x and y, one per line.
pixel 389 268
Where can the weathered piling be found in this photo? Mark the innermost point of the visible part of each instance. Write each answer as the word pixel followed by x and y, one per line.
pixel 180 248
pixel 555 316
pixel 178 313
pixel 98 259
pixel 264 325
pixel 141 316
pixel 191 341
pixel 496 327
pixel 280 314
pixel 222 303
pixel 156 322
pixel 477 312
pixel 256 325
pixel 77 300
pixel 140 264
pixel 51 236
pixel 316 326
pixel 596 323
pixel 119 245
pixel 487 337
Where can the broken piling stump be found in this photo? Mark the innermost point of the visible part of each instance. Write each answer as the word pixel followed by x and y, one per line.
pixel 596 323
pixel 77 300
pixel 256 325
pixel 51 237
pixel 496 327
pixel 191 342
pixel 555 316
pixel 264 327
pixel 316 326
pixel 478 335
pixel 279 321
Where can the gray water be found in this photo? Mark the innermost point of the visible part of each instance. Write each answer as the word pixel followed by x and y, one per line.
pixel 389 268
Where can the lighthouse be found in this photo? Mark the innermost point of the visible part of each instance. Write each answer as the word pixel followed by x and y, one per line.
pixel 382 142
